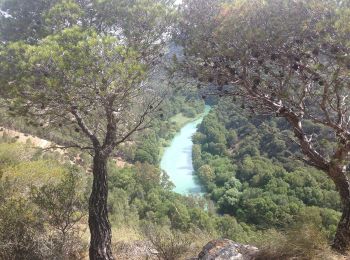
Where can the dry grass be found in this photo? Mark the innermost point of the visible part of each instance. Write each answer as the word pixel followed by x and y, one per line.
pixel 126 234
pixel 306 242
pixel 200 239
pixel 129 243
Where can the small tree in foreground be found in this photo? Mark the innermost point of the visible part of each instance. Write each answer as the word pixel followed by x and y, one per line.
pixel 63 206
pixel 168 244
pixel 288 59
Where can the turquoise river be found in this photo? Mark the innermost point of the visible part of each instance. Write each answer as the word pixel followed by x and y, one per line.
pixel 177 159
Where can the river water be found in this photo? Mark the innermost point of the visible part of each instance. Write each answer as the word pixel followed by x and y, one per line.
pixel 177 159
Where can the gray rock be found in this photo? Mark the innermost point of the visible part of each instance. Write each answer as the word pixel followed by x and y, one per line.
pixel 224 249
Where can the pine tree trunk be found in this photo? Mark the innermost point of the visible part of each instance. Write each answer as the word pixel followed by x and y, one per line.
pixel 340 177
pixel 341 241
pixel 100 228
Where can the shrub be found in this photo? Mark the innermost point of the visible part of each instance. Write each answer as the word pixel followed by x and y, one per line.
pixel 64 207
pixel 22 233
pixel 169 244
pixel 305 242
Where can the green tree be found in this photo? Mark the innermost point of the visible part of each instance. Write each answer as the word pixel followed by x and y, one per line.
pixel 24 20
pixel 148 150
pixel 284 58
pixel 63 206
pixel 62 15
pixel 93 88
pixel 206 174
pixel 21 231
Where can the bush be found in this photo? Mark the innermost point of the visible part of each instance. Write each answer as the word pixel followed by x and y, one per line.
pixel 169 244
pixel 63 207
pixel 42 204
pixel 22 233
pixel 305 242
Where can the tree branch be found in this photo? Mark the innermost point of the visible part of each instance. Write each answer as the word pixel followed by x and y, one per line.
pixel 85 128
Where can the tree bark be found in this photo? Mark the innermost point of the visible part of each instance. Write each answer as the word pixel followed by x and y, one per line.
pixel 100 228
pixel 336 169
pixel 341 241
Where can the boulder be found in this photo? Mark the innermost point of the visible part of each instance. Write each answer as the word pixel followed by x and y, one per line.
pixel 224 249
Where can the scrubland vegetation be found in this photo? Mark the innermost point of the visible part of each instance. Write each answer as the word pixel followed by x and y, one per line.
pixel 44 209
pixel 118 79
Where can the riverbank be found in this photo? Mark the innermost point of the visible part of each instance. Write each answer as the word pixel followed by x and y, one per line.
pixel 180 120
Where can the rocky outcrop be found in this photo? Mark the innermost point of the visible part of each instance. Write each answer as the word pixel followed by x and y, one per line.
pixel 224 249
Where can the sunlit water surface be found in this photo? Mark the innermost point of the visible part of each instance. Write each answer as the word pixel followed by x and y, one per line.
pixel 177 159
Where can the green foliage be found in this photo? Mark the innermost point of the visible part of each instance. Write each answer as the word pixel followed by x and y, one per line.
pixel 22 230
pixel 231 229
pixel 148 191
pixel 80 56
pixel 170 244
pixel 26 21
pixel 63 14
pixel 287 59
pixel 59 57
pixel 257 179
pixel 63 207
pixel 32 20
pixel 148 150
pixel 12 153
pixel 176 112
pixel 42 205
pixel 302 242
pixel 206 174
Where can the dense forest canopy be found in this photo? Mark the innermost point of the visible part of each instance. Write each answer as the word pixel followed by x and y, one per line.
pixel 250 169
